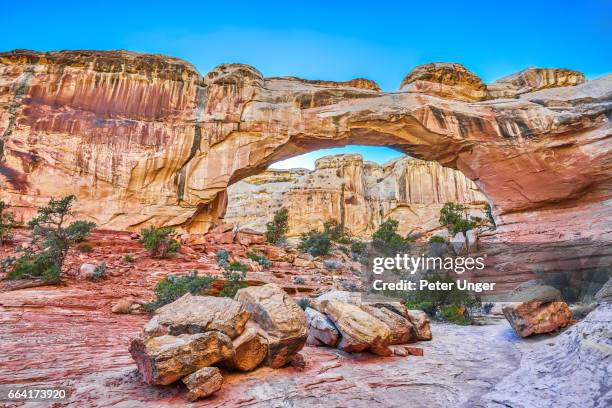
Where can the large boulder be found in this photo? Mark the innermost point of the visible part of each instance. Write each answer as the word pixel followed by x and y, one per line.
pixel 166 359
pixel 446 80
pixel 605 293
pixel 360 330
pixel 250 348
pixel 534 290
pixel 198 314
pixel 282 320
pixel 402 330
pixel 537 317
pixel 533 79
pixel 202 383
pixel 354 298
pixel 421 323
pixel 249 237
pixel 321 330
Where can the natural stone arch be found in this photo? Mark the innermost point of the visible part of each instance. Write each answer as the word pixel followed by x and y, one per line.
pixel 143 139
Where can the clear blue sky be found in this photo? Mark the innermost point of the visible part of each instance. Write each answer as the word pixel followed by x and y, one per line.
pixel 335 40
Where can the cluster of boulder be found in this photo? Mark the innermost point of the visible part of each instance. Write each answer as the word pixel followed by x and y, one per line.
pixel 186 338
pixel 191 338
pixel 340 319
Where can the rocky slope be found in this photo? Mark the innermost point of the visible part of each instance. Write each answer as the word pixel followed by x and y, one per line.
pixel 145 139
pixel 359 194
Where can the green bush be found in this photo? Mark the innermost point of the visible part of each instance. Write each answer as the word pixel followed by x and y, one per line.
pixel 172 287
pixel 158 243
pixel 436 239
pixel 99 272
pixel 254 255
pixel 316 243
pixel 455 218
pixel 336 232
pixel 276 229
pixel 387 241
pixel 432 301
pixel 222 258
pixel 128 258
pixel 235 276
pixel 358 247
pixel 7 223
pixel 453 314
pixel 50 241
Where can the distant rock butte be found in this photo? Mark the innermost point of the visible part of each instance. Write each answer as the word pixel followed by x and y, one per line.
pixel 359 194
pixel 145 139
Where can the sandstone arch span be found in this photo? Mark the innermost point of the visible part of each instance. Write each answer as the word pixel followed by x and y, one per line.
pixel 144 139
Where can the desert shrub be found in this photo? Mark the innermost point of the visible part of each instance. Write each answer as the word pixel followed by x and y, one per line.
pixel 336 232
pixel 158 241
pixel 50 242
pixel 489 213
pixel 222 258
pixel 330 264
pixel 99 272
pixel 260 258
pixel 303 303
pixel 487 307
pixel 276 229
pixel 172 287
pixel 7 223
pixel 436 239
pixel 85 248
pixel 348 285
pixel 387 241
pixel 316 243
pixel 454 314
pixel 434 301
pixel 235 276
pixel 128 258
pixel 358 247
pixel 298 280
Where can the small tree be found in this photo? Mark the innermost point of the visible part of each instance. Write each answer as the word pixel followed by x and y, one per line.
pixel 51 240
pixel 276 229
pixel 455 218
pixel 7 223
pixel 172 287
pixel 336 231
pixel 386 239
pixel 158 241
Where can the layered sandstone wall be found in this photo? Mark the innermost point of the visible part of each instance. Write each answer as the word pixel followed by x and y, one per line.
pixel 145 139
pixel 359 194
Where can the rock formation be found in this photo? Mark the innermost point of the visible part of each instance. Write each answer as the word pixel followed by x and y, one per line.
pixel 145 139
pixel 359 194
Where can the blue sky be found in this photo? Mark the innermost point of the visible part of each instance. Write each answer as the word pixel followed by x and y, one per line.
pixel 334 40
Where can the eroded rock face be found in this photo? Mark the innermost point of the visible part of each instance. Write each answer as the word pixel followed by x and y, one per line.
pixel 445 80
pixel 166 359
pixel 197 314
pixel 145 139
pixel 421 323
pixel 533 79
pixel 537 317
pixel 281 319
pixel 355 192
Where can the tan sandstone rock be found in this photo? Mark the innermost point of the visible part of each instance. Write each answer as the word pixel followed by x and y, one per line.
pixel 402 330
pixel 533 79
pixel 421 323
pixel 251 348
pixel 198 314
pixel 204 382
pixel 165 359
pixel 279 316
pixel 359 329
pixel 537 317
